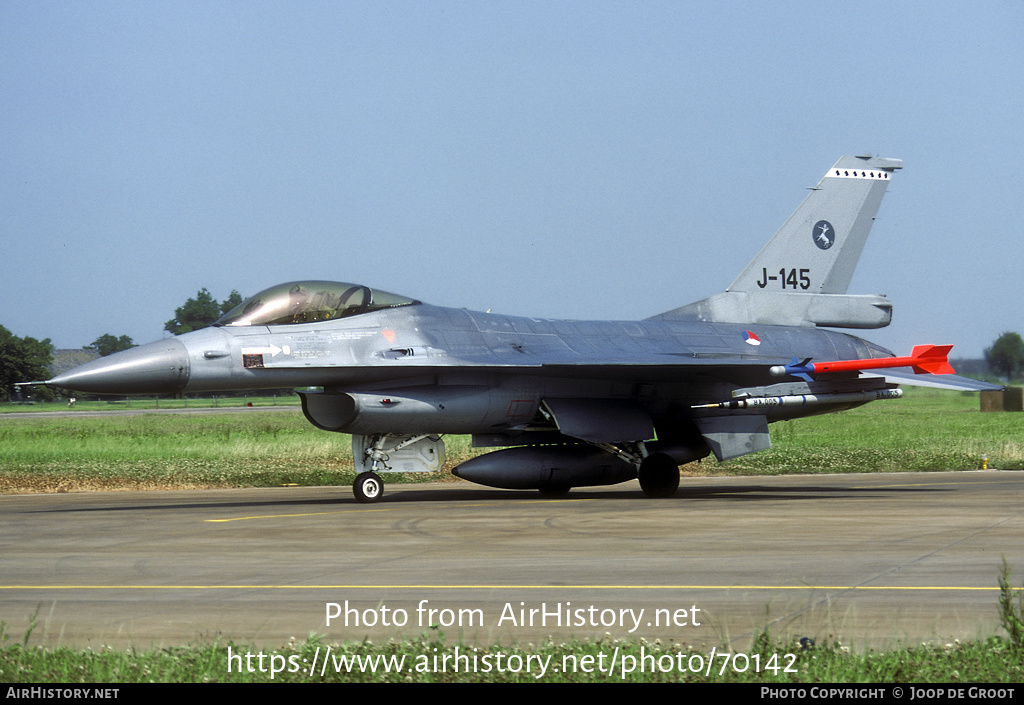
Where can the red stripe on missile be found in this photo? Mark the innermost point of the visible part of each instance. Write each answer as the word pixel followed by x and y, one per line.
pixel 924 359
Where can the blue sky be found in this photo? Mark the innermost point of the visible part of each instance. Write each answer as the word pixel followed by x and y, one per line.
pixel 553 159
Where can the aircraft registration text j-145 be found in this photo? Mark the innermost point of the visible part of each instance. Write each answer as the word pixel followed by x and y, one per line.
pixel 570 403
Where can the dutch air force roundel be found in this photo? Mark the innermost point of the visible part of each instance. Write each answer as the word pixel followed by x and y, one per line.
pixel 823 235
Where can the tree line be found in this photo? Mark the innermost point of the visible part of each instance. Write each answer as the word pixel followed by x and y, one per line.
pixel 28 360
pixel 24 360
pixel 1006 356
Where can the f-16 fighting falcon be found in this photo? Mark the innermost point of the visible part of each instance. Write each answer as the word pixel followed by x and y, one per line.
pixel 570 403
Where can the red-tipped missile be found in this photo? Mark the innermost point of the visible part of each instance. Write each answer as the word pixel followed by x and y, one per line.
pixel 924 359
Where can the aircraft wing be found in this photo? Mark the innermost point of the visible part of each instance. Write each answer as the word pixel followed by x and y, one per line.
pixel 750 373
pixel 955 382
pixel 744 371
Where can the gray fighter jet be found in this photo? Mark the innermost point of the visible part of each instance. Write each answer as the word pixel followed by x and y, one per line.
pixel 571 403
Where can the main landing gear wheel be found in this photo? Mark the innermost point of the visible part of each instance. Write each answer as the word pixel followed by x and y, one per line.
pixel 368 487
pixel 659 476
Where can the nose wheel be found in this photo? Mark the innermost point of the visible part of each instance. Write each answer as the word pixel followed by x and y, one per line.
pixel 368 487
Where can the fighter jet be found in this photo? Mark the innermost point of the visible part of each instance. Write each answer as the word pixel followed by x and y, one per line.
pixel 569 403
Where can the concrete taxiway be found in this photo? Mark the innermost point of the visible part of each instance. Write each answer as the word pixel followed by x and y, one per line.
pixel 867 559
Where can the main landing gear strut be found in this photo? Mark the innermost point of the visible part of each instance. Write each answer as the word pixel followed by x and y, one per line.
pixel 658 472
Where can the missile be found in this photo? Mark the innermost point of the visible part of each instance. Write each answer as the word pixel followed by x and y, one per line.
pixel 924 359
pixel 804 399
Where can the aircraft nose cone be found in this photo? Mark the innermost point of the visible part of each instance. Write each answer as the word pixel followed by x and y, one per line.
pixel 155 368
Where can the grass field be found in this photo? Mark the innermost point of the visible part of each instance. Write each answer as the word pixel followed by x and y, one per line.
pixel 992 661
pixel 927 430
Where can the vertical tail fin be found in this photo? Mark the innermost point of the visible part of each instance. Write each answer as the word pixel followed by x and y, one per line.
pixel 801 276
pixel 817 249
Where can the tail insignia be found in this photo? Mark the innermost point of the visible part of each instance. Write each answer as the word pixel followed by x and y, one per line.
pixel 823 234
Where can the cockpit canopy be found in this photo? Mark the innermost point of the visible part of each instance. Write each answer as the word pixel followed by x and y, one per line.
pixel 309 302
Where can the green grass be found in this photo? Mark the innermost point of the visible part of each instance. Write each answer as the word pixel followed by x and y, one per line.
pixel 927 430
pixel 250 448
pixel 422 660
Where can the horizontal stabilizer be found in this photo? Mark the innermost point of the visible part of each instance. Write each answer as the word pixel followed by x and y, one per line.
pixel 954 382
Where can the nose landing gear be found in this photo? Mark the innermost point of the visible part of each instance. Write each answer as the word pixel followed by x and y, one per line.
pixel 368 487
